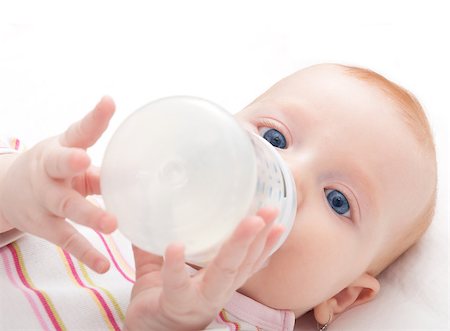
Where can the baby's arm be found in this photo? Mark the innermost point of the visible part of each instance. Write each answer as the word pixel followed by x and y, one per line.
pixel 166 297
pixel 46 184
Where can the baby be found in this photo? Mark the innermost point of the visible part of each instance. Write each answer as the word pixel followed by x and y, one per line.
pixel 362 156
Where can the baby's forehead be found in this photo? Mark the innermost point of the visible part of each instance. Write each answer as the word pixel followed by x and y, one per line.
pixel 407 105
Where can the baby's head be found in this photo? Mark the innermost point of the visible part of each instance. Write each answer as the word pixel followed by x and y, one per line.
pixel 362 156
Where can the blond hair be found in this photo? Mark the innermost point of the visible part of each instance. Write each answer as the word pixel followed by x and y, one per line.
pixel 414 115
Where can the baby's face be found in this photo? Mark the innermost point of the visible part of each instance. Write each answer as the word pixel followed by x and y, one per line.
pixel 355 166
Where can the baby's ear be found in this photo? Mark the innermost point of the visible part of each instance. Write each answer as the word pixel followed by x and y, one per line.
pixel 362 290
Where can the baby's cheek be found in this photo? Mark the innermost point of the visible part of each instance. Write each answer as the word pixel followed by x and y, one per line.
pixel 289 280
pixel 297 263
pixel 312 255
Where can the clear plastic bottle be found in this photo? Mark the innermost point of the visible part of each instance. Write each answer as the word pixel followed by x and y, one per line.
pixel 182 169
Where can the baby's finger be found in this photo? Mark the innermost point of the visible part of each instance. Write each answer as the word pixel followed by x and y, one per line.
pixel 221 272
pixel 88 183
pixel 68 238
pixel 176 279
pixel 256 248
pixel 63 162
pixel 86 132
pixel 271 241
pixel 70 204
pixel 146 262
pixel 268 214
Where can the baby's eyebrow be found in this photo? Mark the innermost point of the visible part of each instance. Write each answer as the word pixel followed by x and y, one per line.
pixel 364 186
pixel 294 111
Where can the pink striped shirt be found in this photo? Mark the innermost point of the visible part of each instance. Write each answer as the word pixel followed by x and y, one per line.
pixel 56 292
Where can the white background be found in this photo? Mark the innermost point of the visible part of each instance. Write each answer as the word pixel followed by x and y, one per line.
pixel 58 58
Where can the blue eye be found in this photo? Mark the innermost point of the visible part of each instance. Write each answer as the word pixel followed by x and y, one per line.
pixel 276 138
pixel 338 202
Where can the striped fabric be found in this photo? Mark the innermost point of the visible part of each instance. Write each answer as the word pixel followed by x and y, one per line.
pixel 57 292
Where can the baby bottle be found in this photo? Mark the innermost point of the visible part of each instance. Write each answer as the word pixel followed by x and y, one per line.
pixel 182 169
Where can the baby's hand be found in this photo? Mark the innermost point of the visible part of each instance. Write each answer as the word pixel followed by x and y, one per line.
pixel 166 297
pixel 48 183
